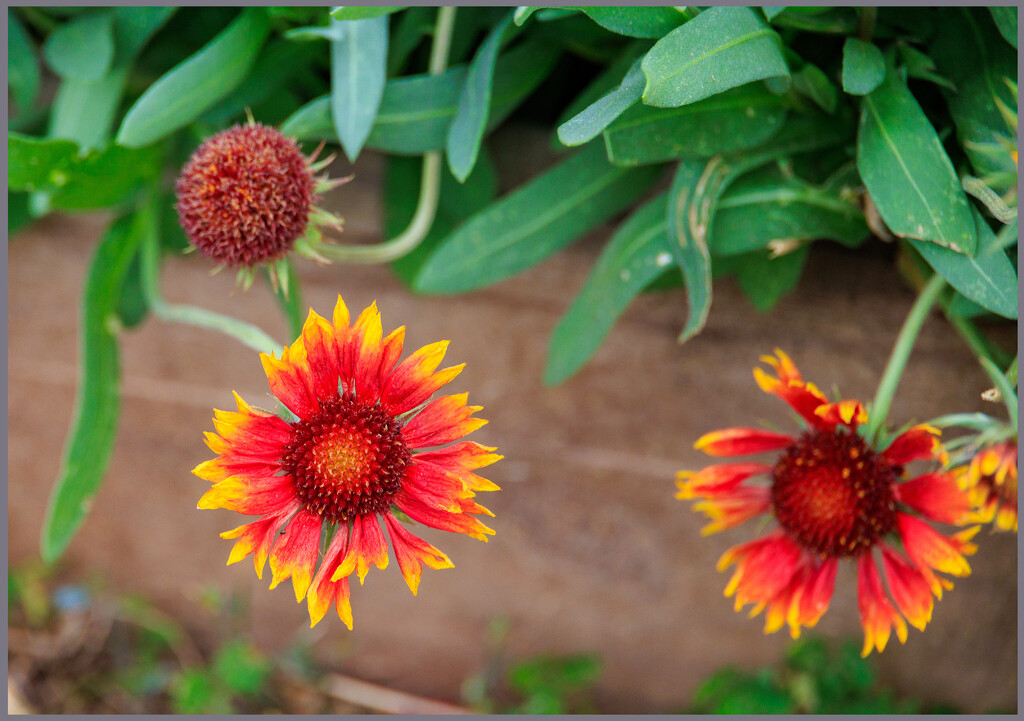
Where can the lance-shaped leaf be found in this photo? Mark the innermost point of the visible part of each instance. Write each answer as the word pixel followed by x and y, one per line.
pixel 736 119
pixel 186 91
pixel 637 253
pixel 765 207
pixel 467 128
pixel 1005 18
pixel 907 172
pixel 765 278
pixel 989 278
pixel 588 123
pixel 359 54
pixel 687 222
pixel 721 48
pixel 416 111
pixel 94 421
pixel 532 222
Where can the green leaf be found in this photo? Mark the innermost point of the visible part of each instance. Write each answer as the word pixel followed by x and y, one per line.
pixel 765 207
pixel 95 180
pixel 190 88
pixel 416 111
pixel 94 422
pixel 554 673
pixel 1005 18
pixel 83 48
pixel 863 67
pixel 359 53
pixel 764 279
pixel 590 122
pixel 22 65
pixel 988 278
pixel 721 48
pixel 813 83
pixel 636 22
pixel 132 307
pixel 921 66
pixel 637 253
pixel 733 120
pixel 84 110
pixel 134 27
pixel 18 215
pixel 410 29
pixel 687 231
pixel 363 12
pixel 907 172
pixel 969 51
pixel 467 128
pixel 241 667
pixel 771 11
pixel 192 692
pixel 532 222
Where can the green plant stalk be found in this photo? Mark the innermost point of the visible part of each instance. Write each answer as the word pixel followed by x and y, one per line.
pixel 976 341
pixel 244 332
pixel 430 180
pixel 1011 373
pixel 901 353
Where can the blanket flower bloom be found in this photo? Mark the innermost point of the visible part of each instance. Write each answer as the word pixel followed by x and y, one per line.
pixel 364 444
pixel 833 497
pixel 991 484
pixel 247 197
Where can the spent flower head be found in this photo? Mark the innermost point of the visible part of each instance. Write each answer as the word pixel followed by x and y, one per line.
pixel 247 197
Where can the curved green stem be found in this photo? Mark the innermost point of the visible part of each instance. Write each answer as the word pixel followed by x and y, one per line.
pixel 149 257
pixel 430 180
pixel 901 353
pixel 975 340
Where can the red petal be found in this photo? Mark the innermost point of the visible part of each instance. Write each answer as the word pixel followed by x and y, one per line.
pixel 294 554
pixel 366 545
pixel 461 459
pixel 411 552
pixel 741 442
pixel 442 421
pixel 918 443
pixel 291 380
pixel 716 479
pixel 909 588
pixel 323 591
pixel 258 536
pixel 877 615
pixel 936 496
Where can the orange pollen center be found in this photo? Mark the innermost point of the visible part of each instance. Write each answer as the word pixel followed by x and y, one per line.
pixel 833 494
pixel 348 459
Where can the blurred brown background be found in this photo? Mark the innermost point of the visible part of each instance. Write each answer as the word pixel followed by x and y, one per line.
pixel 592 554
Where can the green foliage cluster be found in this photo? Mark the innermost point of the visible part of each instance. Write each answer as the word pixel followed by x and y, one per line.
pixel 731 137
pixel 816 677
pixel 538 685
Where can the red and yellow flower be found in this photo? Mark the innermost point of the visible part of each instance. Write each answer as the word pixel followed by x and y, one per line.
pixel 833 497
pixel 363 444
pixel 991 484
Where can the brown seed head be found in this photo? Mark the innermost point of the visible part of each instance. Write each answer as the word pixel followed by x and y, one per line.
pixel 245 195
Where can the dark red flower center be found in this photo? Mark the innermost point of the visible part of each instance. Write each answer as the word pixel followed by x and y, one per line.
pixel 833 494
pixel 348 459
pixel 245 195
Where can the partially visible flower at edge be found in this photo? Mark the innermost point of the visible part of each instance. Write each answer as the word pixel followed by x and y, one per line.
pixel 247 197
pixel 355 454
pixel 833 497
pixel 990 480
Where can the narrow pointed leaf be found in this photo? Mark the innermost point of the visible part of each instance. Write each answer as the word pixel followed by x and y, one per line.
pixel 721 48
pixel 637 253
pixel 1005 18
pixel 989 278
pixel 84 110
pixel 359 55
pixel 688 241
pixel 591 121
pixel 764 279
pixel 94 422
pixel 467 128
pixel 863 67
pixel 532 222
pixel 190 88
pixel 736 119
pixel 907 172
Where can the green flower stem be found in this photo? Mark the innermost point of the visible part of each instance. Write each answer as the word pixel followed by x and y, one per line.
pixel 975 340
pixel 430 179
pixel 149 259
pixel 901 353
